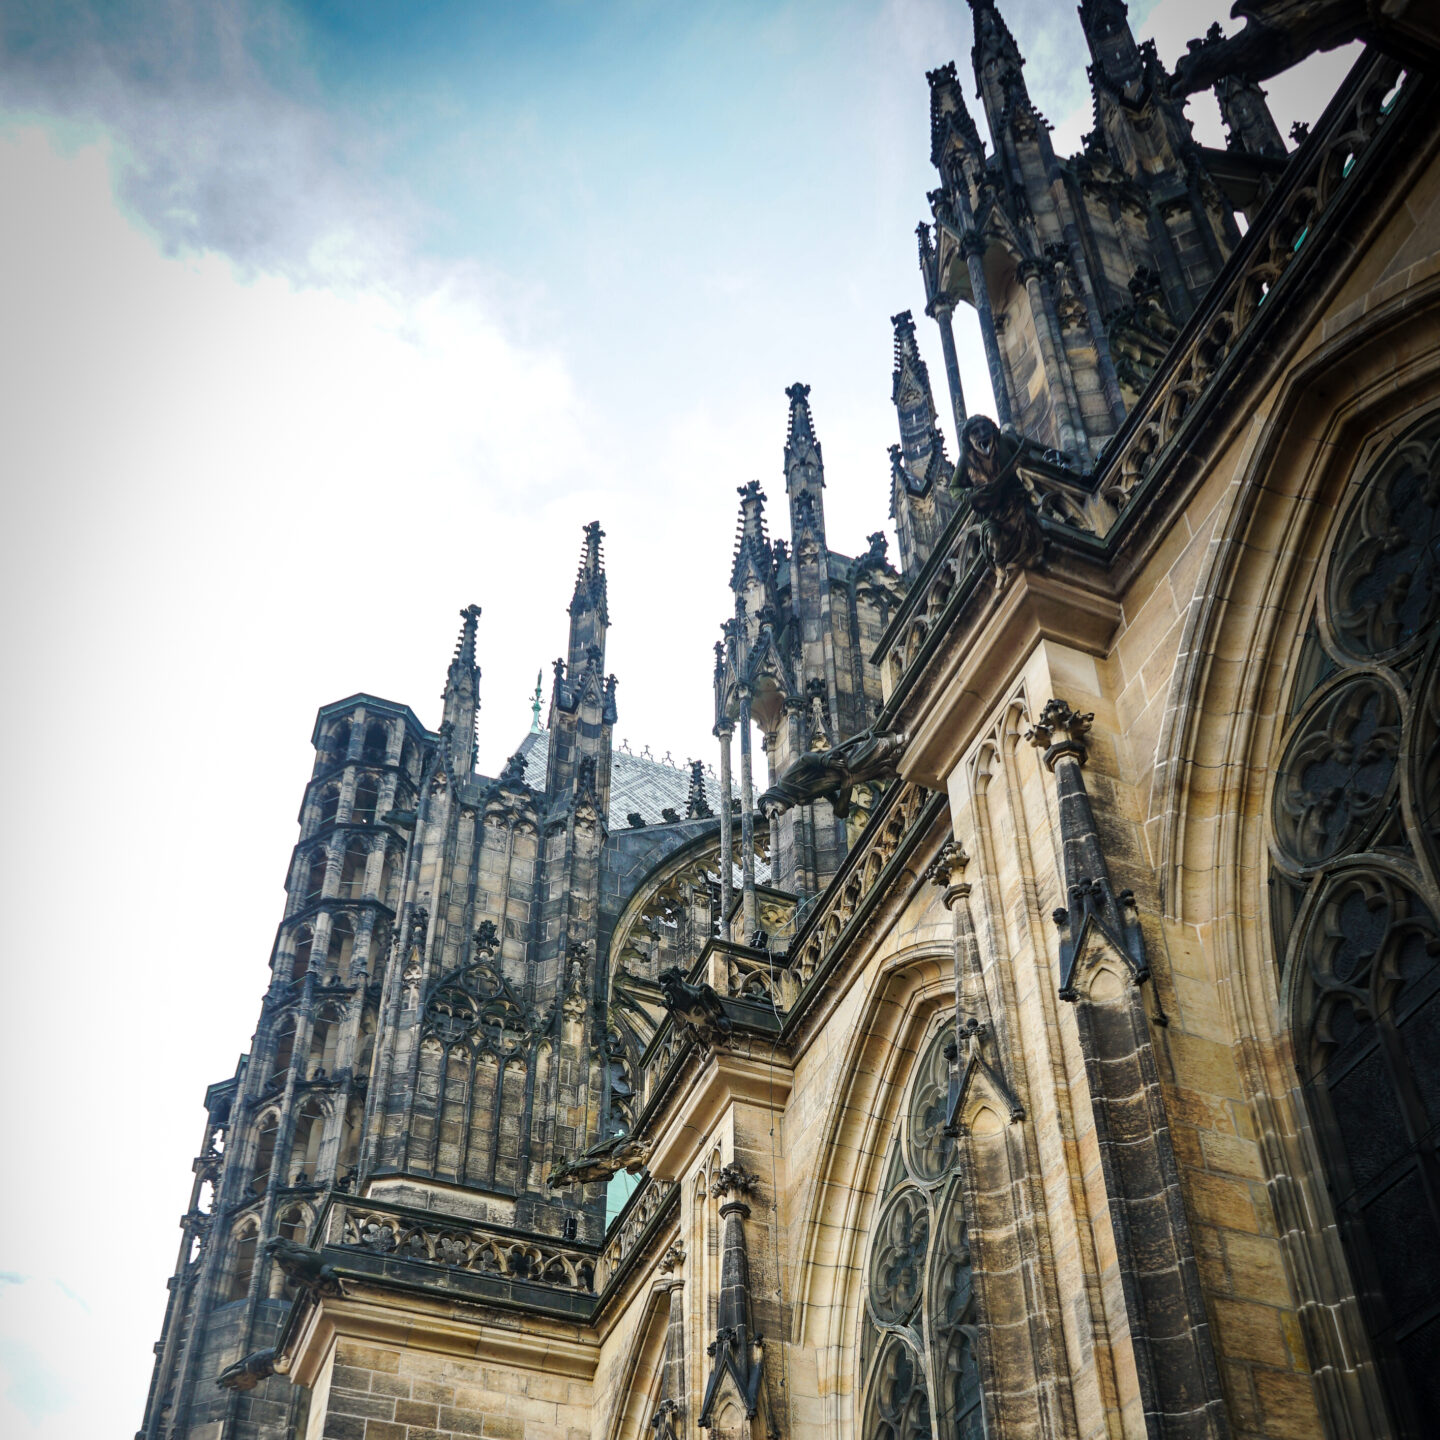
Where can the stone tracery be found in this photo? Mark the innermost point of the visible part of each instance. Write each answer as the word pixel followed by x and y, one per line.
pixel 919 1320
pixel 1354 831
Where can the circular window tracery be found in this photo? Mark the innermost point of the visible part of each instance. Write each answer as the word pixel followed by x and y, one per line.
pixel 931 1150
pixel 897 1263
pixel 1337 770
pixel 1385 578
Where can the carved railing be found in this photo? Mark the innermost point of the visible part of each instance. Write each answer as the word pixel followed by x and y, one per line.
pixel 761 987
pixel 1289 222
pixel 631 1227
pixel 898 822
pixel 1052 493
pixel 454 1244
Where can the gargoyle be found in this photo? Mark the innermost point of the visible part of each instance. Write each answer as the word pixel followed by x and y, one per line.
pixel 303 1265
pixel 1004 523
pixel 602 1161
pixel 246 1374
pixel 696 1006
pixel 832 774
pixel 1277 34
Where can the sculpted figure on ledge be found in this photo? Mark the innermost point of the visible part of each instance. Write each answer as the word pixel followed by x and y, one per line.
pixel 832 774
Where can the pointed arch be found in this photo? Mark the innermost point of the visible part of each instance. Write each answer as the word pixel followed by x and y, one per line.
pixel 1220 742
pixel 640 1372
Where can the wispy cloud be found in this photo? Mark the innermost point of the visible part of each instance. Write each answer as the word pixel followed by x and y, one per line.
pixel 221 139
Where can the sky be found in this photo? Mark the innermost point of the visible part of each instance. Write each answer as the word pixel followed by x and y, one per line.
pixel 319 321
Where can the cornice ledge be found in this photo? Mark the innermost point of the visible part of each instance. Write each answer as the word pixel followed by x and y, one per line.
pixel 965 683
pixel 679 1131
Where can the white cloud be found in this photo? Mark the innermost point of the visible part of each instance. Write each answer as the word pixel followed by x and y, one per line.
pixel 227 503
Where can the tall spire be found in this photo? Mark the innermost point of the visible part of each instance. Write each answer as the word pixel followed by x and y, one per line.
pixel 920 501
pixel 582 699
pixel 589 607
pixel 1118 62
pixel 804 467
pixel 462 695
pixel 998 65
pixel 951 126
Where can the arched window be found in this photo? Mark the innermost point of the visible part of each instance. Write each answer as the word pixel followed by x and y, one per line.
pixel 377 742
pixel 315 875
pixel 293 1224
pixel 324 1041
pixel 918 1327
pixel 352 870
pixel 329 804
pixel 409 761
pixel 367 797
pixel 305 1148
pixel 242 1264
pixel 284 1049
pixel 304 939
pixel 339 745
pixel 1355 849
pixel 264 1153
pixel 342 945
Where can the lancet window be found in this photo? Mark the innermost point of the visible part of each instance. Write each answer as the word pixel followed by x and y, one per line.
pixel 918 1332
pixel 1355 837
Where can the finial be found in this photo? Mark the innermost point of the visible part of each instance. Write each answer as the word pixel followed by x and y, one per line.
pixel 535 705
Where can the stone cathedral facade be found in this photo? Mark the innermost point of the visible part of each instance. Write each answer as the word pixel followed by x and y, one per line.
pixel 1026 1022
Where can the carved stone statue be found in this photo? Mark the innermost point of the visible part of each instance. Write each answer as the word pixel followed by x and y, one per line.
pixel 832 774
pixel 302 1265
pixel 246 1374
pixel 696 1006
pixel 1277 34
pixel 602 1161
pixel 1004 525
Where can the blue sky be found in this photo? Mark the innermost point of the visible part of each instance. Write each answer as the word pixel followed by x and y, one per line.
pixel 317 323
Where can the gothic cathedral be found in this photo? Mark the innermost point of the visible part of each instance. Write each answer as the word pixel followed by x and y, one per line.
pixel 1041 1037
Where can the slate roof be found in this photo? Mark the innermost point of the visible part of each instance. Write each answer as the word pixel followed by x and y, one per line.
pixel 645 787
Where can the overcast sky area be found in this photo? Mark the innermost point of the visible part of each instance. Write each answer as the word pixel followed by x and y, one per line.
pixel 317 323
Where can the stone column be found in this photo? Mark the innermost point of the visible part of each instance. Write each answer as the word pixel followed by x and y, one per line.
pixel 941 308
pixel 747 823
pixel 668 1421
pixel 1165 1320
pixel 727 823
pixel 973 248
pixel 1068 436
